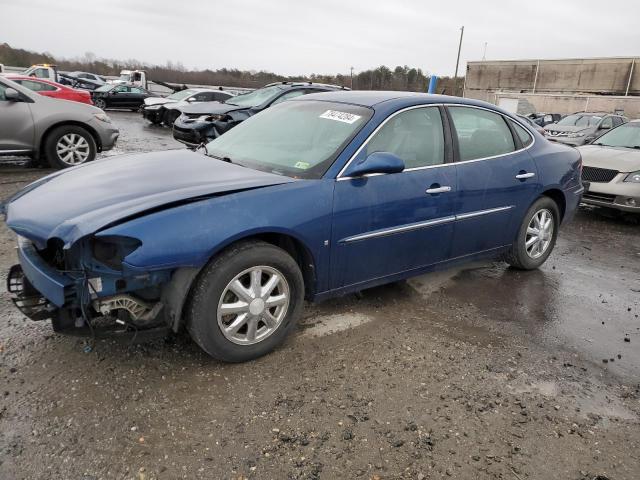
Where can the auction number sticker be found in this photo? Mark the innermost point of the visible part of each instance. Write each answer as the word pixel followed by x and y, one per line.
pixel 345 117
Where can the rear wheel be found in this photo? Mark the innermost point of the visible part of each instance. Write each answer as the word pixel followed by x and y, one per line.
pixel 100 103
pixel 537 235
pixel 245 302
pixel 68 146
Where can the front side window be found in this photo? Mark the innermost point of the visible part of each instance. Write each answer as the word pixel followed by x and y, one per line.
pixel 416 136
pixel 122 89
pixel 607 123
pixel 480 133
pixel 136 90
pixel 41 73
pixel 298 139
pixel 2 89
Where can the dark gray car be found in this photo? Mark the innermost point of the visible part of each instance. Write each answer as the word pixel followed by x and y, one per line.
pixel 61 132
pixel 582 128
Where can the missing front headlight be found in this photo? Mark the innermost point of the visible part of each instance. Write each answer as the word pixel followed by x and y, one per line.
pixel 111 251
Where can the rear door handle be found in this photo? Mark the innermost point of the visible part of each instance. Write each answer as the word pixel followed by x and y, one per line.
pixel 438 190
pixel 522 176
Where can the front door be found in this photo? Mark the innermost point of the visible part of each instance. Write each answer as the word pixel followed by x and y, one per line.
pixel 497 179
pixel 388 224
pixel 16 125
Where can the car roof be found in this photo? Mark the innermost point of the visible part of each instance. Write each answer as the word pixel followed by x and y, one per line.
pixel 371 98
pixel 328 86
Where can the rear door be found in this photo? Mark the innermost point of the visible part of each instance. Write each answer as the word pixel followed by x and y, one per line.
pixel 390 224
pixel 16 125
pixel 497 178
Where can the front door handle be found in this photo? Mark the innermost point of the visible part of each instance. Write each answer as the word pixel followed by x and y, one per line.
pixel 522 176
pixel 435 190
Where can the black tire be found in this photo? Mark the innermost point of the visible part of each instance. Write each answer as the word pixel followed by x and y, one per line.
pixel 202 318
pixel 518 257
pixel 100 103
pixel 169 117
pixel 57 136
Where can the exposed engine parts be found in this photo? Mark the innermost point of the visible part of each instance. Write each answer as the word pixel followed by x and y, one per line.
pixel 141 313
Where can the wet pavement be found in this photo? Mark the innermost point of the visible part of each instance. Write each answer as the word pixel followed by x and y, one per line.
pixel 479 372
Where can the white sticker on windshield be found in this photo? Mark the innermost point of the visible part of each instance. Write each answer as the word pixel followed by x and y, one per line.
pixel 345 117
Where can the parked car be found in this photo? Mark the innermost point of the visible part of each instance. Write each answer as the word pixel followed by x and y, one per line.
pixel 532 124
pixel 313 198
pixel 166 109
pixel 612 169
pixel 89 76
pixel 544 119
pixel 203 122
pixel 582 128
pixel 120 96
pixel 61 132
pixel 52 89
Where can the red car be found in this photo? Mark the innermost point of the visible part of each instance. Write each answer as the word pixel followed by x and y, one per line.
pixel 52 89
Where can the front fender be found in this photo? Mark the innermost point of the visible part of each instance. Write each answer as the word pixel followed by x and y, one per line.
pixel 189 235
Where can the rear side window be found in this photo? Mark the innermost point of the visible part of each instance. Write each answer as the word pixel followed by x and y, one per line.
pixel 416 136
pixel 2 89
pixel 481 133
pixel 525 137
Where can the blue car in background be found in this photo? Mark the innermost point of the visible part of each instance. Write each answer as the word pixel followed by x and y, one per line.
pixel 316 197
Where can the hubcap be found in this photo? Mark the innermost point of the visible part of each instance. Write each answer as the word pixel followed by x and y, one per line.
pixel 539 233
pixel 253 305
pixel 72 149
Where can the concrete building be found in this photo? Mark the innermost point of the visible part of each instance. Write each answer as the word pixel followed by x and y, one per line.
pixel 558 86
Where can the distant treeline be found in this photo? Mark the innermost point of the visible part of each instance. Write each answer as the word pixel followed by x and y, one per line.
pixel 381 78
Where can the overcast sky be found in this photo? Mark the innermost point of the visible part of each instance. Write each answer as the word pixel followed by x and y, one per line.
pixel 296 37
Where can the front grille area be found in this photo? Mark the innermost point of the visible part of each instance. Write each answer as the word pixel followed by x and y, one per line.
pixel 600 197
pixel 595 174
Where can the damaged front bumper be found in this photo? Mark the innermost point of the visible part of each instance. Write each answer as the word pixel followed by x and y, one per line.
pixel 73 299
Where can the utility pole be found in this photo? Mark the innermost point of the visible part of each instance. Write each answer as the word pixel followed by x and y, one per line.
pixel 484 52
pixel 351 78
pixel 455 81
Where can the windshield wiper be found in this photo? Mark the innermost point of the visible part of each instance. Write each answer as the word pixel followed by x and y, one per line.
pixel 224 159
pixel 204 147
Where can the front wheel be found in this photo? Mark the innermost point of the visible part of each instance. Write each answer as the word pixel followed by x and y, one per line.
pixel 170 116
pixel 68 146
pixel 100 103
pixel 245 302
pixel 537 235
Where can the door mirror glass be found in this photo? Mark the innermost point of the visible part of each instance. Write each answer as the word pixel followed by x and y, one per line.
pixel 377 162
pixel 12 95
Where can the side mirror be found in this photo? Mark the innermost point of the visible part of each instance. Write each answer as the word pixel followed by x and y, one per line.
pixel 605 127
pixel 377 162
pixel 191 99
pixel 12 95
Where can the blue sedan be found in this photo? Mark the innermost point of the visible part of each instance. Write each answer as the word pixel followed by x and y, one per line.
pixel 316 197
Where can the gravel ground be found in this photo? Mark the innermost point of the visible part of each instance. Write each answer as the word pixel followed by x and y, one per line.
pixel 478 373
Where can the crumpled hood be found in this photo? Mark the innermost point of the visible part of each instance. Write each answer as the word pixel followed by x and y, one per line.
pixel 157 101
pixel 210 108
pixel 76 202
pixel 614 158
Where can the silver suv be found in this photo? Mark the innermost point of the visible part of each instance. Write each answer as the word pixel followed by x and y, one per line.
pixel 61 132
pixel 582 128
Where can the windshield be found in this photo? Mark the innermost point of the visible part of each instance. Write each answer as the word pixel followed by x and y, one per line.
pixel 104 88
pixel 627 135
pixel 181 94
pixel 255 98
pixel 299 139
pixel 577 120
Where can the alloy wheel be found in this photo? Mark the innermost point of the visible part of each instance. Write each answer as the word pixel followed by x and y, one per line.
pixel 539 233
pixel 253 305
pixel 73 149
